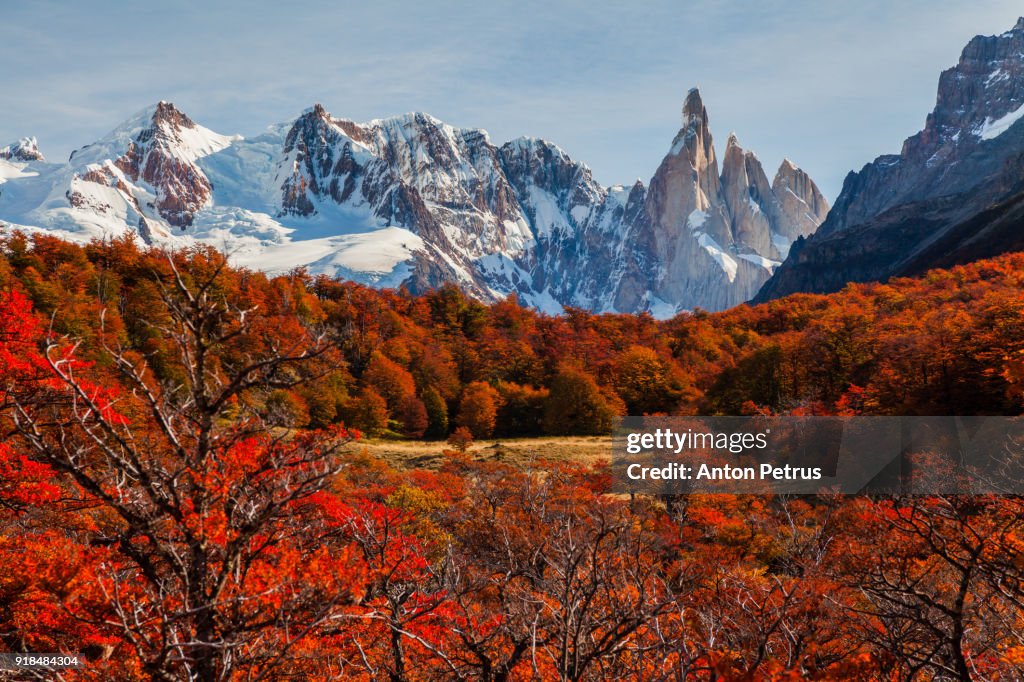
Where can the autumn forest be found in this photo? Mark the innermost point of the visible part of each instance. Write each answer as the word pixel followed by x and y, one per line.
pixel 184 494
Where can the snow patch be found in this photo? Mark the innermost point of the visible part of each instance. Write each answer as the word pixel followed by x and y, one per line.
pixel 725 261
pixel 547 214
pixel 543 301
pixel 619 194
pixel 199 142
pixel 659 309
pixel 579 213
pixel 379 258
pixel 12 171
pixel 696 219
pixel 760 261
pixel 997 76
pixel 782 244
pixel 993 128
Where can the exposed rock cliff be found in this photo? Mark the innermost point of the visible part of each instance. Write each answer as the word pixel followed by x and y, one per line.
pixel 927 206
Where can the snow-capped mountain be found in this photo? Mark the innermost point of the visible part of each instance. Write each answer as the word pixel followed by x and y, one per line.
pixel 141 177
pixel 411 200
pixel 26 149
pixel 954 193
pixel 16 158
pixel 157 151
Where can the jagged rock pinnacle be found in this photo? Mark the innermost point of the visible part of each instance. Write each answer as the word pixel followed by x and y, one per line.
pixel 693 107
pixel 166 112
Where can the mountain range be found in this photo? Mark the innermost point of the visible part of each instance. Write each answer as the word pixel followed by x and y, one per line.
pixel 413 201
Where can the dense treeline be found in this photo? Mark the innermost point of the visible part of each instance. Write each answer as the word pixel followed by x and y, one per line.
pixel 949 343
pixel 181 498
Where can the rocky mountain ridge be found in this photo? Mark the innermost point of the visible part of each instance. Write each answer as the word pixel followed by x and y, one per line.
pixel 25 149
pixel 948 197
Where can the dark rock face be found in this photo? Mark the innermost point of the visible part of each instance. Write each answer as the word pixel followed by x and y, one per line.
pixel 445 184
pixel 26 149
pixel 891 217
pixel 573 220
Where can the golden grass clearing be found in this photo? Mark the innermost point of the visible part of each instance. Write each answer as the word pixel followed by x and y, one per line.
pixel 414 454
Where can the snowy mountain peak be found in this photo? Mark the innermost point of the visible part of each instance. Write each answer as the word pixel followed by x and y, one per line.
pixel 166 113
pixel 540 146
pixel 417 118
pixel 150 159
pixel 162 125
pixel 26 149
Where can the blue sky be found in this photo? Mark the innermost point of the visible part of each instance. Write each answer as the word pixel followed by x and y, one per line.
pixel 829 84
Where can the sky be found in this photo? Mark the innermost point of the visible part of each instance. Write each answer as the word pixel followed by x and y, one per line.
pixel 829 84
